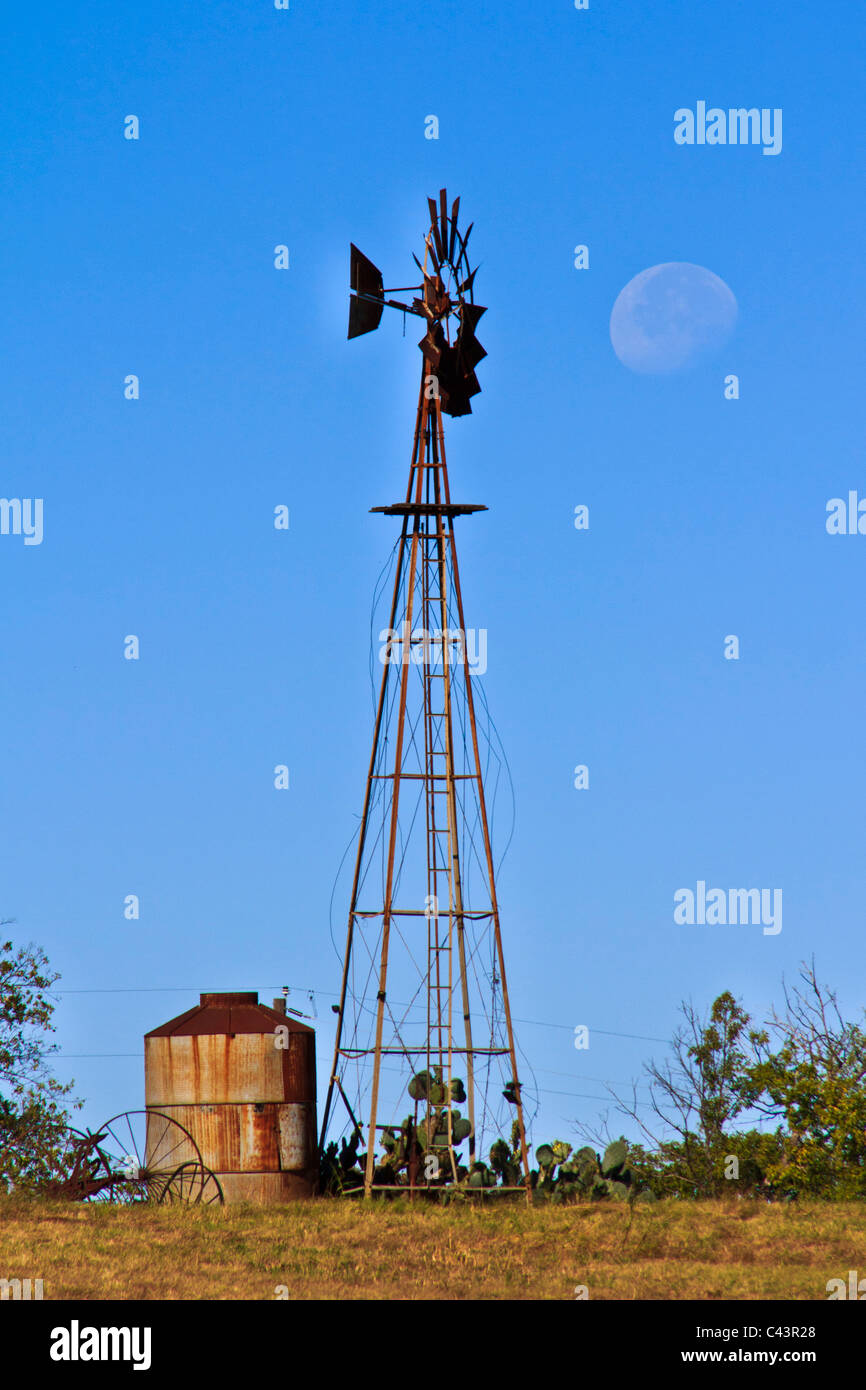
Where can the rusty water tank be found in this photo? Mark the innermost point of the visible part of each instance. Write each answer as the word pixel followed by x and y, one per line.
pixel 242 1079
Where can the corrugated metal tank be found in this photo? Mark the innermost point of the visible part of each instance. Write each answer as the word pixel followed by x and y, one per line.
pixel 249 1104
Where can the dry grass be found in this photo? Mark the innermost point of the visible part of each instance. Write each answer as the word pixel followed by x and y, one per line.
pixel 671 1250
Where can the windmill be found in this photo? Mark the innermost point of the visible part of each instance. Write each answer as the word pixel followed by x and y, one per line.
pixel 424 1015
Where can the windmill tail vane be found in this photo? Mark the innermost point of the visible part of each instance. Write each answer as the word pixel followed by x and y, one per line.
pixel 424 1021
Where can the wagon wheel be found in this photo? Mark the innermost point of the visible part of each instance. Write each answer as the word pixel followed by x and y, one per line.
pixel 141 1151
pixel 192 1185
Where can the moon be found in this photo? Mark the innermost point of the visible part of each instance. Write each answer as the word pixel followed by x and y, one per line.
pixel 670 317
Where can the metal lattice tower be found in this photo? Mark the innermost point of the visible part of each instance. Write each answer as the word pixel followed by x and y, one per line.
pixel 424 986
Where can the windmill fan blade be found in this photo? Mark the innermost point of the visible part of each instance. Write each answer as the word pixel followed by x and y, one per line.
pixel 470 314
pixel 457 403
pixel 434 228
pixel 454 210
pixel 467 283
pixel 456 385
pixel 471 351
pixel 443 217
pixel 448 372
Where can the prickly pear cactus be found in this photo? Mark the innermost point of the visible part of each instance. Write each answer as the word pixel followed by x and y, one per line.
pixel 565 1176
pixel 615 1158
pixel 427 1133
pixel 420 1085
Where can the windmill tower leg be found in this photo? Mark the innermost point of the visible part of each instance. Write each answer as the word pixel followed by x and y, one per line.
pixel 488 851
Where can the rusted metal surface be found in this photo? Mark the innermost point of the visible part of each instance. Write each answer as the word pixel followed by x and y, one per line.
pixel 231 1138
pixel 230 1014
pixel 269 1189
pixel 241 1078
pixel 138 1156
pixel 250 1138
pixel 82 1172
pixel 214 1067
pixel 296 1151
pixel 430 508
pixel 166 1145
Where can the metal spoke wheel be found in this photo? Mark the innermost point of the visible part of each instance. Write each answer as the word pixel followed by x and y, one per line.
pixel 142 1151
pixel 192 1185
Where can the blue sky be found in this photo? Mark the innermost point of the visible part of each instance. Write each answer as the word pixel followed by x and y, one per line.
pixel 707 517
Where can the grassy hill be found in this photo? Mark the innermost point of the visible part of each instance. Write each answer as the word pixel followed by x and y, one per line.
pixel 342 1249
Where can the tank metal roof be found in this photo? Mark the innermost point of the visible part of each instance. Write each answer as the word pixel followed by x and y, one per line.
pixel 232 1013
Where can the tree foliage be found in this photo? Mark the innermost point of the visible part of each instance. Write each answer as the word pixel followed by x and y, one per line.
pixel 34 1116
pixel 815 1081
pixel 805 1069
